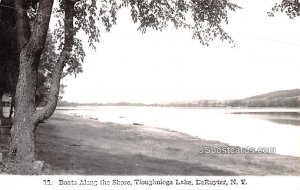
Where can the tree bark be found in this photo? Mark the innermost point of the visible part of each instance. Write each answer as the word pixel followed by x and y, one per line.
pixel 23 141
pixel 1 106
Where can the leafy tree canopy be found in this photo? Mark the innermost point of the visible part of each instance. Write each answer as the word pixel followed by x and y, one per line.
pixel 290 7
pixel 203 17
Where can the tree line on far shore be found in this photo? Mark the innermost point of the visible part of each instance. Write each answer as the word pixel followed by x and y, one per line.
pixel 283 98
pixel 277 102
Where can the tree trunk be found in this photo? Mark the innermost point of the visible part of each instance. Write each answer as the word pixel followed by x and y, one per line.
pixel 1 104
pixel 30 48
pixel 23 141
pixel 27 117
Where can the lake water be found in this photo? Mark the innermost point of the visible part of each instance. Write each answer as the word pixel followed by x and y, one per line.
pixel 265 127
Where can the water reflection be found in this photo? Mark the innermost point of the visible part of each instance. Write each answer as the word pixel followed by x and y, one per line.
pixel 287 118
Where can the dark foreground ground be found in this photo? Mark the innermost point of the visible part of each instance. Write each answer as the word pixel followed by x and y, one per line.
pixel 72 145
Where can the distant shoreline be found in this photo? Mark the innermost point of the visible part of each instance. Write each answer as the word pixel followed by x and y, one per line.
pixel 276 99
pixel 163 106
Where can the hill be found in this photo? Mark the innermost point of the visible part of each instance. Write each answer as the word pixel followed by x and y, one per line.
pixel 282 98
pixel 275 95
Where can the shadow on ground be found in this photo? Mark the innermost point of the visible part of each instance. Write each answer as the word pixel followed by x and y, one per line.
pixel 65 156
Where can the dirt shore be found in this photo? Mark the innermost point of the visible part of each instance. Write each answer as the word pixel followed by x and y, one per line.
pixel 73 145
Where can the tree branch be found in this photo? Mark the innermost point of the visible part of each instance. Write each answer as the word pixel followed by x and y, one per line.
pixel 22 23
pixel 52 97
pixel 39 33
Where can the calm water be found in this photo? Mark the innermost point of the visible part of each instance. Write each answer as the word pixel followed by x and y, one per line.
pixel 279 128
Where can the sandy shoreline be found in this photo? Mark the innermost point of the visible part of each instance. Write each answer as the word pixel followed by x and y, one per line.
pixel 72 145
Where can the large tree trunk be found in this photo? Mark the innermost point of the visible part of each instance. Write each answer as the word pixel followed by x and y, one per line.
pixel 30 48
pixel 23 140
pixel 27 117
pixel 1 106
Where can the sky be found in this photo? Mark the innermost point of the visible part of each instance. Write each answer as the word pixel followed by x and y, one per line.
pixel 159 67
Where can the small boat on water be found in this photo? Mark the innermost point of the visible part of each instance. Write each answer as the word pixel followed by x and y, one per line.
pixel 138 124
